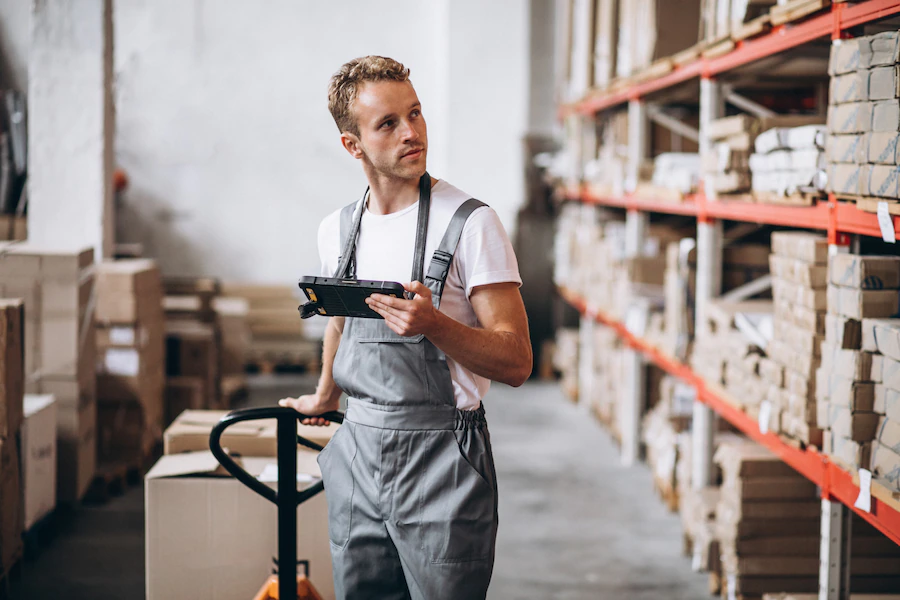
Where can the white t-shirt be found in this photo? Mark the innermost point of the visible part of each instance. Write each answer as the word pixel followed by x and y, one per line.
pixel 385 248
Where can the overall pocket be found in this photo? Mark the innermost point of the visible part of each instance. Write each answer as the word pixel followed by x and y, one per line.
pixel 336 463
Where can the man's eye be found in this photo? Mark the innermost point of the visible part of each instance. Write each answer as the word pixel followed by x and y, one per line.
pixel 416 113
pixel 387 124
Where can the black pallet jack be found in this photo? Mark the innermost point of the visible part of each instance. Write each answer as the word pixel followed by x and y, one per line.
pixel 286 585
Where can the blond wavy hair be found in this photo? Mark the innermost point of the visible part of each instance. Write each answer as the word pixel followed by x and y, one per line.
pixel 344 86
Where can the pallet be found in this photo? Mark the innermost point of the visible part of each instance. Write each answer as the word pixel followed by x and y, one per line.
pixel 796 10
pixel 870 205
pixel 719 48
pixel 752 28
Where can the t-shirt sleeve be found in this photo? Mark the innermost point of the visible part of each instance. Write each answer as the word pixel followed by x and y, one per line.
pixel 485 253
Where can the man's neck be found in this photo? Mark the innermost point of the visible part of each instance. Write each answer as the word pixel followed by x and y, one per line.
pixel 390 194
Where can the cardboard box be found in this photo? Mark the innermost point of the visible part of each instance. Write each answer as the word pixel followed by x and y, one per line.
pixel 11 506
pixel 39 457
pixel 865 272
pixel 853 87
pixel 851 148
pixel 890 373
pixel 123 433
pixel 881 149
pixel 800 245
pixel 798 272
pixel 771 372
pixel 801 296
pixel 12 373
pixel 804 364
pixel 887 402
pixel 808 319
pixel 839 391
pixel 128 291
pixel 882 83
pixel 850 364
pixel 885 465
pixel 799 385
pixel 210 536
pixel 192 350
pixel 862 304
pixel 883 181
pixel 842 333
pixel 856 426
pixel 885 115
pixel 845 57
pixel 848 179
pixel 889 434
pixel 883 336
pixel 190 432
pixel 877 50
pixel 232 314
pixel 851 455
pixel 854 117
pixel 76 449
pixel 877 368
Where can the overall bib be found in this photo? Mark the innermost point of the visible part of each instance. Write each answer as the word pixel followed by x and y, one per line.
pixel 409 478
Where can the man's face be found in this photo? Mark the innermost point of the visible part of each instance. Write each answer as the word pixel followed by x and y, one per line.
pixel 393 137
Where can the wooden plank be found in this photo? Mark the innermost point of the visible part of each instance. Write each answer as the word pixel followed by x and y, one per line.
pixel 792 200
pixel 719 49
pixel 794 11
pixel 691 54
pixel 871 205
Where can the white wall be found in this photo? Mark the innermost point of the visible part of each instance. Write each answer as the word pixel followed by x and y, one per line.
pixel 223 128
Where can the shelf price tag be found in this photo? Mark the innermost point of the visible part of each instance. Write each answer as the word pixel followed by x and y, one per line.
pixel 765 416
pixel 886 223
pixel 864 501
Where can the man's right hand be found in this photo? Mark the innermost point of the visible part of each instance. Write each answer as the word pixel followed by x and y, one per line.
pixel 310 404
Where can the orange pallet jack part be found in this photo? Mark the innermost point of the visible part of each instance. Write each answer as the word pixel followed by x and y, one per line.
pixel 305 589
pixel 286 497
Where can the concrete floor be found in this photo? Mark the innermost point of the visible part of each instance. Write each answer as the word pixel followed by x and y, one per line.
pixel 574 524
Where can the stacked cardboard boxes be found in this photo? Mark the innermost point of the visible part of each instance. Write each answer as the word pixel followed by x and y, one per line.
pixel 57 287
pixel 602 391
pixel 192 362
pixel 799 266
pixel 788 160
pixel 565 360
pixel 131 360
pixel 232 314
pixel 662 425
pixel 881 338
pixel 650 30
pixel 38 445
pixel 864 116
pixel 860 288
pixel 767 521
pixel 606 173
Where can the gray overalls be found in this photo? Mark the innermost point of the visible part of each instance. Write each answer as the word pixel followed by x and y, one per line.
pixel 409 478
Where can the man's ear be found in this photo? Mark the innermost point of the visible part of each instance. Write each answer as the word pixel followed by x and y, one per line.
pixel 351 144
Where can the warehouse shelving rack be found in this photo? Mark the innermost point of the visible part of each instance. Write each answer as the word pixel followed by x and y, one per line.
pixel 839 220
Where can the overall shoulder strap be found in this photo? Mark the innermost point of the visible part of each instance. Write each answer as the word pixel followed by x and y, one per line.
pixel 442 258
pixel 349 232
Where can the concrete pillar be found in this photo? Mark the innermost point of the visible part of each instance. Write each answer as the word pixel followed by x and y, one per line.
pixel 71 125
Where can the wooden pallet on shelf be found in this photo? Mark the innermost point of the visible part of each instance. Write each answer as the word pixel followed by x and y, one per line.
pixel 870 205
pixel 752 28
pixel 795 199
pixel 796 10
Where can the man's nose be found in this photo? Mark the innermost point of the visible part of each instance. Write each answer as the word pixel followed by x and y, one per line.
pixel 409 132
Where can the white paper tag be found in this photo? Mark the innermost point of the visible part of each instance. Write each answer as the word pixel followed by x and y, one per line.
pixel 636 320
pixel 696 561
pixel 122 361
pixel 765 415
pixel 121 336
pixel 886 224
pixel 864 501
pixel 732 587
pixel 270 475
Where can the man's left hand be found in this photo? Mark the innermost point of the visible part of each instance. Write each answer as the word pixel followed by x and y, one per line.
pixel 407 317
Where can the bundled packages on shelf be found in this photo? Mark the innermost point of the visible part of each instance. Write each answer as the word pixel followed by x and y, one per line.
pixel 601 384
pixel 787 163
pixel 862 290
pixel 799 266
pixel 767 523
pixel 57 288
pixel 130 360
pixel 864 116
pixel 661 428
pixel 565 360
pixel 606 173
pixel 734 139
pixel 881 337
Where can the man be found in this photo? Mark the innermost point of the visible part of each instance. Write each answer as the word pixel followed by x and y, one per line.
pixel 409 477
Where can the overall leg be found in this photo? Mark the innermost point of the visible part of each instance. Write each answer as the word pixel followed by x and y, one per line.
pixel 444 519
pixel 365 561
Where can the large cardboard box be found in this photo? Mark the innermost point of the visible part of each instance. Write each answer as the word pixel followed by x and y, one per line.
pixel 807 247
pixel 865 272
pixel 849 179
pixel 858 396
pixel 880 149
pixel 883 83
pixel 210 537
pixel 877 50
pixel 885 115
pixel 849 87
pixel 12 373
pixel 39 457
pixel 800 296
pixel 883 182
pixel 799 272
pixel 852 148
pixel 862 304
pixel 856 426
pixel 11 510
pixel 854 117
pixel 845 57
pixel 849 364
pixel 192 350
pixel 129 291
pixel 882 335
pixel 190 432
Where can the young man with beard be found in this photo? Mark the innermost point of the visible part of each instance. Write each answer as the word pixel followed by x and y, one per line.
pixel 409 477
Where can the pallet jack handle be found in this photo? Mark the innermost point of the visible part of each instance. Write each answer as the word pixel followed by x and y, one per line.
pixel 287 497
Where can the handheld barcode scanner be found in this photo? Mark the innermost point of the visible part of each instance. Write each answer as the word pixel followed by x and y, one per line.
pixel 286 585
